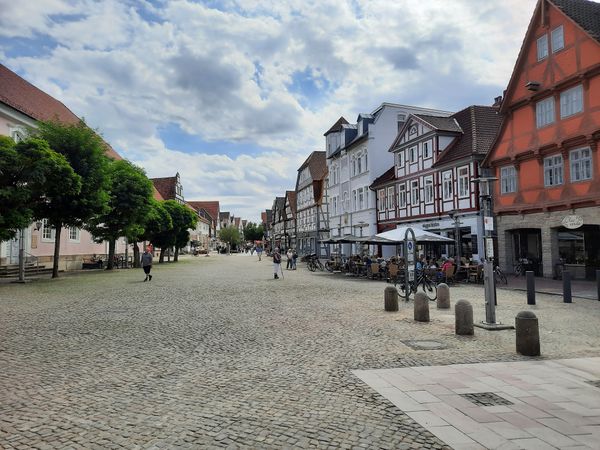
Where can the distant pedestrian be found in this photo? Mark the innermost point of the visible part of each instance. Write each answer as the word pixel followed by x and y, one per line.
pixel 276 263
pixel 290 257
pixel 147 263
pixel 259 251
pixel 294 259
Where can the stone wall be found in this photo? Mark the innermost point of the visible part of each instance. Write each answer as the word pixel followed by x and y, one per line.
pixel 547 222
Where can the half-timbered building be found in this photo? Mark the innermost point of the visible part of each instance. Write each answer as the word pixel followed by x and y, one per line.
pixel 547 200
pixel 289 225
pixel 278 222
pixel 431 185
pixel 312 225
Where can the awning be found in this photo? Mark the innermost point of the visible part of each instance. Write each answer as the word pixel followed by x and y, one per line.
pixel 397 235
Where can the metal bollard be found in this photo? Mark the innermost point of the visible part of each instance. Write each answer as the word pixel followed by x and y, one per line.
pixel 567 287
pixel 530 287
pixel 463 318
pixel 598 283
pixel 528 334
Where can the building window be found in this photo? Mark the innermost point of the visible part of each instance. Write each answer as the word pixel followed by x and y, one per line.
pixel 74 234
pixel 400 160
pixel 553 170
pixel 381 195
pixel 48 232
pixel 354 200
pixel 544 112
pixel 361 198
pixel 414 192
pixel 427 149
pixel 508 180
pixel 542 47
pixel 581 164
pixel 428 190
pixel 571 101
pixel 412 152
pixel 463 182
pixel 558 39
pixel 447 185
pixel 390 199
pixel 402 195
pixel 335 205
pixel 366 189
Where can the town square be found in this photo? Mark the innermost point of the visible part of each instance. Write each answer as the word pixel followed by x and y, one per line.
pixel 337 224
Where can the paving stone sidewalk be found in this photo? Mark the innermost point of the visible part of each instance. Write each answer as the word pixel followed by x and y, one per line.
pixel 214 353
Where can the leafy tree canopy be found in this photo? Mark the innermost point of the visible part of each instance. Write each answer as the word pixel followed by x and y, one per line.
pixel 253 232
pixel 230 235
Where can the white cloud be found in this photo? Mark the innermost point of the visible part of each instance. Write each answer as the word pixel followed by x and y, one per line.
pixel 132 67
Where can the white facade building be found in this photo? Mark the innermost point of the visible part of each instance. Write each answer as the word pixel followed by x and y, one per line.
pixel 356 155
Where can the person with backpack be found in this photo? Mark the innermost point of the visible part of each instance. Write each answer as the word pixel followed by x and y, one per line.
pixel 276 263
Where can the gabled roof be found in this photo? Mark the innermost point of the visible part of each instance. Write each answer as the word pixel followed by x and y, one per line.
pixel 336 126
pixel 291 198
pixel 204 213
pixel 156 195
pixel 584 13
pixel 24 97
pixel 224 216
pixel 480 125
pixel 236 221
pixel 211 207
pixel 317 165
pixel 166 187
pixel 440 123
pixel 384 178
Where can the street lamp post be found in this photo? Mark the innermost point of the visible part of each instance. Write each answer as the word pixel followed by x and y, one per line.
pixel 457 238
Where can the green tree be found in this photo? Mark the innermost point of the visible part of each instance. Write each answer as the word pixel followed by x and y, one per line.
pixel 253 232
pixel 230 235
pixel 156 225
pixel 85 151
pixel 183 219
pixel 31 174
pixel 129 195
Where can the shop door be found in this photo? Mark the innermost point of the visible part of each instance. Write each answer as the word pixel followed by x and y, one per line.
pixel 528 247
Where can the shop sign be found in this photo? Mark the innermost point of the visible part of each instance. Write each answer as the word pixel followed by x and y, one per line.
pixel 489 248
pixel 488 223
pixel 426 226
pixel 572 222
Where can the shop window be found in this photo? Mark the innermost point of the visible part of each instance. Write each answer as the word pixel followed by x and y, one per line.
pixel 581 164
pixel 571 246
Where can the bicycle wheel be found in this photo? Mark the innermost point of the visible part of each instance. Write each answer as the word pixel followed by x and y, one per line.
pixel 320 265
pixel 429 288
pixel 328 266
pixel 401 288
pixel 500 276
pixel 311 265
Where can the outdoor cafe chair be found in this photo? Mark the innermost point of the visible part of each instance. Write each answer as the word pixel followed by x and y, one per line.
pixel 449 274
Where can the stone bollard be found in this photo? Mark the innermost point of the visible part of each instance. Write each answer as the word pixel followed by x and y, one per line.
pixel 390 296
pixel 443 296
pixel 421 307
pixel 463 318
pixel 528 334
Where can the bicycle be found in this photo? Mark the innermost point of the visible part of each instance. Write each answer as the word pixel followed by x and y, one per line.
pixel 422 282
pixel 313 263
pixel 499 275
pixel 520 267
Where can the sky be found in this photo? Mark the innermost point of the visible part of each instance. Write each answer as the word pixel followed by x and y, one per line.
pixel 235 94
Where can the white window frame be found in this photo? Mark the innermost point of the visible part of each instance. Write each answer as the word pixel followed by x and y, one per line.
pixel 361 198
pixel 415 194
pixel 427 153
pixel 47 234
pixel 390 198
pixel 463 182
pixel 553 171
pixel 354 200
pixel 74 234
pixel 581 164
pixel 545 113
pixel 334 205
pixel 508 180
pixel 402 195
pixel 447 185
pixel 381 199
pixel 571 101
pixel 413 153
pixel 428 190
pixel 401 159
pixel 542 47
pixel 366 189
pixel 555 35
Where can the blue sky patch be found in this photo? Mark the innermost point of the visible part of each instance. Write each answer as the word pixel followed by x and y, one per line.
pixel 37 46
pixel 310 90
pixel 177 139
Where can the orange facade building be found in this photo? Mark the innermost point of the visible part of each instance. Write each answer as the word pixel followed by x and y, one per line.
pixel 547 197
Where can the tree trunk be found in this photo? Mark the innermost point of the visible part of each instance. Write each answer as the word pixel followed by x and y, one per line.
pixel 57 230
pixel 176 256
pixel 111 255
pixel 161 259
pixel 136 256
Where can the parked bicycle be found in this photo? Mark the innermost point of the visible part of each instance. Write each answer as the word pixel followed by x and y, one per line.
pixel 499 275
pixel 313 263
pixel 520 267
pixel 421 283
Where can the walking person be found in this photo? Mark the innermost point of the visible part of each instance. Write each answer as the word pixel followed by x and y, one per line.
pixel 290 256
pixel 147 263
pixel 276 263
pixel 259 251
pixel 294 259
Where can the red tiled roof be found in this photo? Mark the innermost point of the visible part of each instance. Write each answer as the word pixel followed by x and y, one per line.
pixel 336 126
pixel 317 164
pixel 236 221
pixel 211 207
pixel 263 216
pixel 291 195
pixel 156 194
pixel 165 186
pixel 23 96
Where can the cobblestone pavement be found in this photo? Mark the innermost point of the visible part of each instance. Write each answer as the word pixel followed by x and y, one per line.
pixel 215 353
